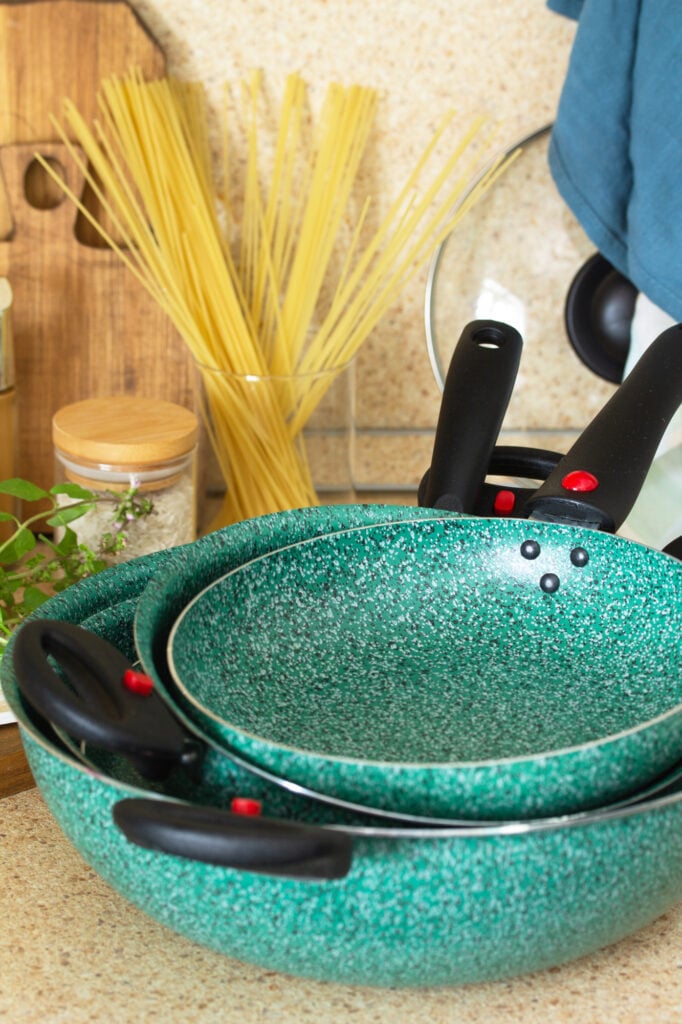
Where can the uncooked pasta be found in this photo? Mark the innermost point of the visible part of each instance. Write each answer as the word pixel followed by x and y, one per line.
pixel 272 294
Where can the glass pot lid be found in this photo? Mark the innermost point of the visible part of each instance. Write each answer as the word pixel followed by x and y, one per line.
pixel 514 258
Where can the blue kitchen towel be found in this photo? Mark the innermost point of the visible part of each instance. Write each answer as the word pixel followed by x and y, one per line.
pixel 616 147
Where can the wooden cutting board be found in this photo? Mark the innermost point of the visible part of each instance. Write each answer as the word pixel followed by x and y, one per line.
pixel 83 326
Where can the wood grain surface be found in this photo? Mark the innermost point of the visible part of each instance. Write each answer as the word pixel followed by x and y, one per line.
pixel 15 774
pixel 83 326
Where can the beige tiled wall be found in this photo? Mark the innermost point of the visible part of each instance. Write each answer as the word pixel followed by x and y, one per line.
pixel 506 59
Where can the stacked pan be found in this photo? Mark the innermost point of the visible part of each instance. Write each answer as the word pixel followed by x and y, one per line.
pixel 383 745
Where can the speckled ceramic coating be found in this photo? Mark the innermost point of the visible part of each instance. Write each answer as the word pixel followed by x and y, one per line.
pixel 417 909
pixel 413 911
pixel 439 644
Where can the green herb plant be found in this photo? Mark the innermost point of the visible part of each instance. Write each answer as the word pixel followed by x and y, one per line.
pixel 33 567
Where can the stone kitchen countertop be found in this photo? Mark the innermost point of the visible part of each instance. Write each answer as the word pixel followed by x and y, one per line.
pixel 73 950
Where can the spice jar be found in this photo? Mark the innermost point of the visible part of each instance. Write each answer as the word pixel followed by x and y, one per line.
pixel 117 444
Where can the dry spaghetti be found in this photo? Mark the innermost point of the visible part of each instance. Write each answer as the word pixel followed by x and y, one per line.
pixel 282 306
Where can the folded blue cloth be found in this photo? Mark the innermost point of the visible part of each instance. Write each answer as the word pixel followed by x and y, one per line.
pixel 616 147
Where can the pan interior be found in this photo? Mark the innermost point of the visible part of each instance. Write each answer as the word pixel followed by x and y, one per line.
pixel 436 642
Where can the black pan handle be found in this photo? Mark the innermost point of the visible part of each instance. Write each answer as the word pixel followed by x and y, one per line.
pixel 599 310
pixel 478 386
pixel 223 839
pixel 598 481
pixel 90 698
pixel 674 548
pixel 515 461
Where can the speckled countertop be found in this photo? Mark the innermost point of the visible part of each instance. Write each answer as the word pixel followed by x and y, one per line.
pixel 72 950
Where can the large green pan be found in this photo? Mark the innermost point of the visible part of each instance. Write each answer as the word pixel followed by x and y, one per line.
pixel 412 908
pixel 497 668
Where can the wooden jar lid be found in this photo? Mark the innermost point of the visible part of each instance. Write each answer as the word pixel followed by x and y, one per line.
pixel 124 431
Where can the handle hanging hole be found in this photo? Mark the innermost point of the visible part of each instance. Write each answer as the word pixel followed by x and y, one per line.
pixel 40 191
pixel 489 337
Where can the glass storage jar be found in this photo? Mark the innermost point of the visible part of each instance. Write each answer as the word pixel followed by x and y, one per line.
pixel 117 444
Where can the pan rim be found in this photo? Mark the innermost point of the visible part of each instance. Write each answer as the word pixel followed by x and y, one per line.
pixel 504 829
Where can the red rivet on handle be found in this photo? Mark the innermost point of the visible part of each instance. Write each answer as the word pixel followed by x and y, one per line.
pixel 138 682
pixel 580 480
pixel 246 805
pixel 504 501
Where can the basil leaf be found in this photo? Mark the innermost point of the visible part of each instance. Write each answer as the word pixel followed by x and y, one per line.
pixel 22 542
pixel 22 489
pixel 72 491
pixel 67 515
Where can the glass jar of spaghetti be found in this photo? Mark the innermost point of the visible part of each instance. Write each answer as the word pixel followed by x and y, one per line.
pixel 139 457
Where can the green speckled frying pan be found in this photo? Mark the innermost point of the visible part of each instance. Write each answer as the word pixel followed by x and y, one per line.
pixel 499 668
pixel 413 908
pixel 508 702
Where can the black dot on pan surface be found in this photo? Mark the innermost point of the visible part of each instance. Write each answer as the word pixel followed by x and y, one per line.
pixel 530 549
pixel 579 557
pixel 549 582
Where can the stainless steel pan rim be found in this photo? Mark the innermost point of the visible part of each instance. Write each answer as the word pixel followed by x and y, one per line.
pixel 464 832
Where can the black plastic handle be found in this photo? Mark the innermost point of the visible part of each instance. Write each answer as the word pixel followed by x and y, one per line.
pixel 478 386
pixel 528 463
pixel 618 447
pixel 514 461
pixel 87 697
pixel 600 306
pixel 223 839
